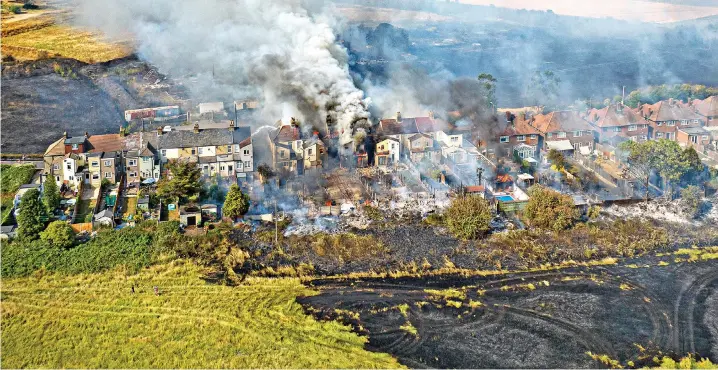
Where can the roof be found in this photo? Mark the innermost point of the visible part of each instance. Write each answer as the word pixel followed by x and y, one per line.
pixel 694 130
pixel 393 127
pixel 245 142
pixel 188 139
pixel 388 138
pixel 559 145
pixel 560 121
pixel 287 133
pixel 707 107
pixel 419 136
pixel 667 111
pixel 29 186
pixel 240 134
pixel 519 127
pixel 75 140
pixel 106 213
pixel 475 189
pixel 613 115
pixel 56 148
pixel 525 176
pixel 106 143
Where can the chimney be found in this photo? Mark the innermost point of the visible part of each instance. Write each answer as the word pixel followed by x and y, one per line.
pixel 64 135
pixel 231 125
pixel 87 135
pixel 196 128
pixel 431 114
pixel 398 116
pixel 293 122
pixel 159 131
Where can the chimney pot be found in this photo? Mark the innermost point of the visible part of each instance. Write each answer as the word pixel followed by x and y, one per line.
pixel 231 125
pixel 398 116
pixel 87 135
pixel 293 121
pixel 64 134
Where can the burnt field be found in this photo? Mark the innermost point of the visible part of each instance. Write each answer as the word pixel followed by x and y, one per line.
pixel 540 319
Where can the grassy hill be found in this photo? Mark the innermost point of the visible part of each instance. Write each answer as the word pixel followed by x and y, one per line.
pixel 94 321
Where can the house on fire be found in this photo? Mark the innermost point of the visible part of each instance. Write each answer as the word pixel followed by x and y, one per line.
pixel 287 148
pixel 387 152
pixel 519 137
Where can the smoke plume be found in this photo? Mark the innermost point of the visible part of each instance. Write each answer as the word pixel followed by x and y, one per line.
pixel 284 50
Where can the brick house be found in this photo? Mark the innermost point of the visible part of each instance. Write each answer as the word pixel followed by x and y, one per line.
pixel 667 116
pixel 707 108
pixel 618 120
pixel 565 130
pixel 519 135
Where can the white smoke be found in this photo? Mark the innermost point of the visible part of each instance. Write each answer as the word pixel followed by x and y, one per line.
pixel 283 49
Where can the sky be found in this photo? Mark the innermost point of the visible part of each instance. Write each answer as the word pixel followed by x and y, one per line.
pixel 645 11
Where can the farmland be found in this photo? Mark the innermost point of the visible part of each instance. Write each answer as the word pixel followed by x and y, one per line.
pixel 60 321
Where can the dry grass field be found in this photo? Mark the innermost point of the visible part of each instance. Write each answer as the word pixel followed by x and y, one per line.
pixel 94 321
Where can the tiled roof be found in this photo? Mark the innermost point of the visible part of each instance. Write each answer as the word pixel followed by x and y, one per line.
pixel 519 127
pixel 612 116
pixel 419 136
pixel 240 135
pixel 707 107
pixel 287 133
pixel 392 127
pixel 188 139
pixel 106 143
pixel 56 148
pixel 475 189
pixel 560 121
pixel 504 178
pixel 665 111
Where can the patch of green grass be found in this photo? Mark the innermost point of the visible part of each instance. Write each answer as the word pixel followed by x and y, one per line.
pixel 94 321
pixel 11 177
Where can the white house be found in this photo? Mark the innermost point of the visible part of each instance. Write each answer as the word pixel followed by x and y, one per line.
pixel 387 152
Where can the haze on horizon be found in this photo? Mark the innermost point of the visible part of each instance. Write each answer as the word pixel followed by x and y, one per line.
pixel 636 10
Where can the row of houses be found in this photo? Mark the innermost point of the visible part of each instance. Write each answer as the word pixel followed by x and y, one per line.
pixel 690 124
pixel 219 149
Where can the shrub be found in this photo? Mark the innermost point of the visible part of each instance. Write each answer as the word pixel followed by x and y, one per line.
pixel 30 220
pixel 468 217
pixel 58 234
pixel 549 209
pixel 236 203
pixel 691 201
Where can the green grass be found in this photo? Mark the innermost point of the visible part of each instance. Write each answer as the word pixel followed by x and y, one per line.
pixel 93 321
pixel 11 177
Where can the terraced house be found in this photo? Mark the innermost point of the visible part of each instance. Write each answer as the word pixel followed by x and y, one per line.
pixel 85 159
pixel 565 131
pixel 225 152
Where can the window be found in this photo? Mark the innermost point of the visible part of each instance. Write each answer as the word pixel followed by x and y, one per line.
pixel 69 166
pixel 577 133
pixel 246 152
pixel 671 123
pixel 696 121
pixel 57 178
pixel 617 129
pixel 309 151
pixel 393 146
pixel 632 127
pixel 107 163
pixel 684 122
pixel 454 138
pixel 133 174
pixel 533 137
pixel 72 178
pixel 200 151
pixel 95 176
pixel 108 175
pixel 56 167
pixel 164 152
pixel 659 123
pixel 133 162
pixel 504 139
pixel 239 165
pixel 659 135
pixel 521 138
pixel 549 135
pixel 247 164
pixel 561 135
pixel 193 151
pixel 75 147
pixel 229 149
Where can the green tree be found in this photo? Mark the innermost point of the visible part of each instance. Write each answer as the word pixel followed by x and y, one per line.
pixel 58 234
pixel 544 88
pixel 549 209
pixel 488 81
pixel 236 203
pixel 633 99
pixel 51 196
pixel 181 183
pixel 468 217
pixel 32 212
pixel 557 159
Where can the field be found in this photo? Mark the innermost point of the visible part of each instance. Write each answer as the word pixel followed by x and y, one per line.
pixel 94 321
pixel 41 33
pixel 12 177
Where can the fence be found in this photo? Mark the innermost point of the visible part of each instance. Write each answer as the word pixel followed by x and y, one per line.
pixel 85 226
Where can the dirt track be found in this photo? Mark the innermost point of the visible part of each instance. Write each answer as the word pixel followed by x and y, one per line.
pixel 541 319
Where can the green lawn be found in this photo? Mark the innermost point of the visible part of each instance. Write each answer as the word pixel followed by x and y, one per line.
pixel 93 321
pixel 11 177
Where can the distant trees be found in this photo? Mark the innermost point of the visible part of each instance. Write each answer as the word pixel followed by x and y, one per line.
pixel 468 217
pixel 51 196
pixel 236 203
pixel 488 81
pixel 182 182
pixel 543 88
pixel 549 209
pixel 31 218
pixel 58 234
pixel 653 94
